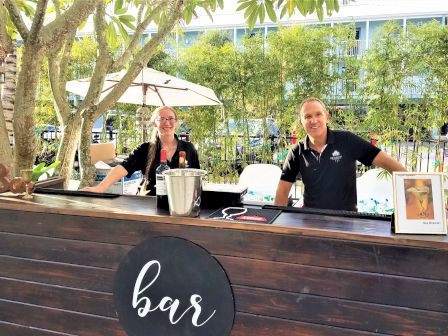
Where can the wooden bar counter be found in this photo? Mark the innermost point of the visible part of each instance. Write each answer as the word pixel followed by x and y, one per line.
pixel 303 275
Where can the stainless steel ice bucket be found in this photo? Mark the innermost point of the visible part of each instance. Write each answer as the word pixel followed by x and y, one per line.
pixel 184 188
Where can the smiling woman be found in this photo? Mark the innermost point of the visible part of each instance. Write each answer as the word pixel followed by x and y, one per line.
pixel 146 157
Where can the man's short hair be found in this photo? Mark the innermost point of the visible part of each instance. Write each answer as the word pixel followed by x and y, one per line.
pixel 310 99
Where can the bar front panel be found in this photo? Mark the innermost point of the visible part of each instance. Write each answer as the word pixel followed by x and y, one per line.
pixel 56 278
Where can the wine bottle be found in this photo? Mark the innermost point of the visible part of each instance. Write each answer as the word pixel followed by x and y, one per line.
pixel 161 189
pixel 182 159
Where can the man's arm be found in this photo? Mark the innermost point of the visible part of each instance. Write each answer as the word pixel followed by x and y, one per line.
pixel 390 164
pixel 281 196
pixel 115 175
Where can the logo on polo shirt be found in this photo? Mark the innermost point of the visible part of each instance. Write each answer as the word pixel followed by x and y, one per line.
pixel 336 156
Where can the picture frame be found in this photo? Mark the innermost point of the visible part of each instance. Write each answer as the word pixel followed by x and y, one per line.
pixel 419 203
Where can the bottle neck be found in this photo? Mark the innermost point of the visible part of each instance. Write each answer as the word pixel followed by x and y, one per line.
pixel 163 156
pixel 182 156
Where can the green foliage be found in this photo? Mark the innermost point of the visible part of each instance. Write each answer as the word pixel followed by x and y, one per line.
pixel 45 112
pixel 387 71
pixel 82 58
pixel 161 61
pixel 127 132
pixel 257 9
pixel 41 169
pixel 208 5
pixel 27 7
pixel 430 54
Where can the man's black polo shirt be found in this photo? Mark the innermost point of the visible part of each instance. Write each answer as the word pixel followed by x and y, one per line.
pixel 329 178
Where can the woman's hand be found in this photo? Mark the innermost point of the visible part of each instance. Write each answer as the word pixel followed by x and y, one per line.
pixel 97 189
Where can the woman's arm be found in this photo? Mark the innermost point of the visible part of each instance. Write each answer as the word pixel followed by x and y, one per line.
pixel 115 175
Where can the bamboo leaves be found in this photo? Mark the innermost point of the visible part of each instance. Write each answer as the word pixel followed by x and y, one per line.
pixel 256 10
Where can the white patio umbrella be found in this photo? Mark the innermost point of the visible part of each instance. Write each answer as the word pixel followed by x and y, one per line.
pixel 152 87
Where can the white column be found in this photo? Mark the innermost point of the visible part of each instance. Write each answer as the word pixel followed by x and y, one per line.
pixel 265 39
pixel 404 26
pixel 367 33
pixel 177 44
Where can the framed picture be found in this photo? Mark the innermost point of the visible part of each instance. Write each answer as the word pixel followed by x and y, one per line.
pixel 419 203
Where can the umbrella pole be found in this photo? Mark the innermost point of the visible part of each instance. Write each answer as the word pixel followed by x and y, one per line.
pixel 143 115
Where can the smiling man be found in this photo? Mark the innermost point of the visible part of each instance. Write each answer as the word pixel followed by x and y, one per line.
pixel 326 161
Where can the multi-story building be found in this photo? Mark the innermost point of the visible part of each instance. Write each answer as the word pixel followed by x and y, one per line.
pixel 367 15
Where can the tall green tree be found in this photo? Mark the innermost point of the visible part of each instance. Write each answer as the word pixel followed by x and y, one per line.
pixel 429 43
pixel 387 71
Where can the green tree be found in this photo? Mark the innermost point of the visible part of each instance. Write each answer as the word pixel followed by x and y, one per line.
pixel 429 43
pixel 311 62
pixel 387 71
pixel 208 63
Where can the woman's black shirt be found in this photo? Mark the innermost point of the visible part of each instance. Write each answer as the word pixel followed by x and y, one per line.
pixel 138 159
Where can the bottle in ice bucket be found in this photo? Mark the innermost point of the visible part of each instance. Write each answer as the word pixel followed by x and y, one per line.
pixel 182 159
pixel 161 190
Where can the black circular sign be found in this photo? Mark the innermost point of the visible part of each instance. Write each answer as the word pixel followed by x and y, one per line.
pixel 171 286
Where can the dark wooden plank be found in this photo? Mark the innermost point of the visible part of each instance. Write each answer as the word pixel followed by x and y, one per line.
pixel 358 286
pixel 340 313
pixel 289 306
pixel 249 324
pixel 369 257
pixel 369 287
pixel 63 250
pixel 245 324
pixel 58 320
pixel 9 329
pixel 81 277
pixel 83 301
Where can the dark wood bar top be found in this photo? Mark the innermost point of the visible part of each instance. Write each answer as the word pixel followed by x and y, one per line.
pixel 143 209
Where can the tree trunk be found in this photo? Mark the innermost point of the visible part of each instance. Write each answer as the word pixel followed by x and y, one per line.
pixel 24 119
pixel 9 92
pixel 5 147
pixel 88 171
pixel 69 144
pixel 96 109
